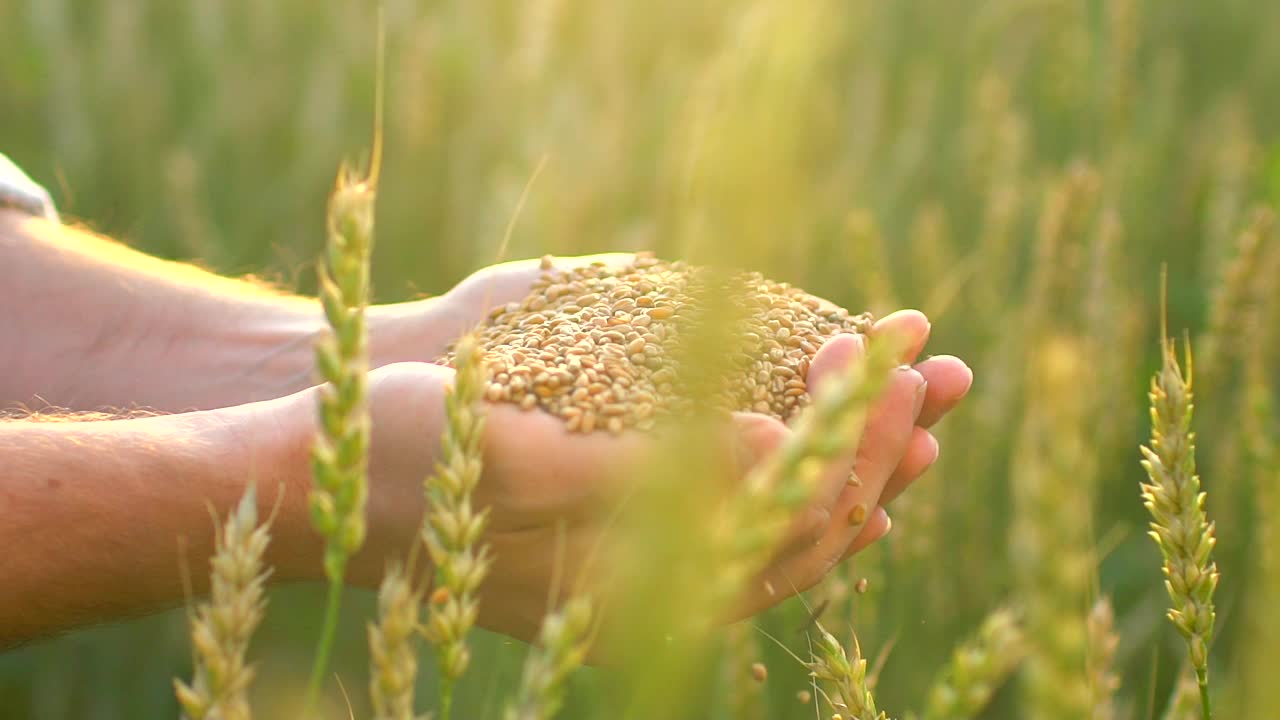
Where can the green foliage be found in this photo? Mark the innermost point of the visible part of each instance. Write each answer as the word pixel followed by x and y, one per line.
pixel 1019 169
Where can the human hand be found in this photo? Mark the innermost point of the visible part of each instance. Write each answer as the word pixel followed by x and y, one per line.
pixel 550 491
pixel 946 379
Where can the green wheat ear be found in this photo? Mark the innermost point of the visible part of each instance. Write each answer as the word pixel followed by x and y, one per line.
pixel 977 669
pixel 222 627
pixel 452 527
pixel 1176 503
pixel 562 646
pixel 339 457
pixel 845 677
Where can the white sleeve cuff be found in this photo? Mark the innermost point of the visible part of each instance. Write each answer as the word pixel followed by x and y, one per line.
pixel 19 192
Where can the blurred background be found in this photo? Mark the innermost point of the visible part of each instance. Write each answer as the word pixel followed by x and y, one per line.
pixel 1018 169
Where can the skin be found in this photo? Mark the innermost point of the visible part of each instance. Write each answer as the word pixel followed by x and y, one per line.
pixel 98 514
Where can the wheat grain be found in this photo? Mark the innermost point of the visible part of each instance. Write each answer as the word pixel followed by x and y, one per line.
pixel 600 347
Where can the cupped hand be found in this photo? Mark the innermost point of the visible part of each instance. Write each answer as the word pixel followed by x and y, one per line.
pixel 551 493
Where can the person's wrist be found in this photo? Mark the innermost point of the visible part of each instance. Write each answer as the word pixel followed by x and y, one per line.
pixel 274 438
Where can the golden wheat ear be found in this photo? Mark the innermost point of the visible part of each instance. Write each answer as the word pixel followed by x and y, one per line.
pixel 1176 502
pixel 222 627
pixel 393 652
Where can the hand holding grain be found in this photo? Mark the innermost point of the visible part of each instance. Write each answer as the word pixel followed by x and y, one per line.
pixel 552 492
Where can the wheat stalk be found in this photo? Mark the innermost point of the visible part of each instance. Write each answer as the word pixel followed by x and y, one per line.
pixel 563 643
pixel 339 456
pixel 222 627
pixel 977 669
pixel 1184 702
pixel 1176 503
pixel 452 527
pixel 393 657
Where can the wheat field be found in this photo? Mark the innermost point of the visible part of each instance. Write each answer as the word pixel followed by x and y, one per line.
pixel 1020 170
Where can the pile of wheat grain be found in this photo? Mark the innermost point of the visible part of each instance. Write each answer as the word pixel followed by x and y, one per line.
pixel 600 346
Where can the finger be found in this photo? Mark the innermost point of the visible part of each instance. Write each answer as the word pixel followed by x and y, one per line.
pixel 921 454
pixel 884 442
pixel 833 359
pixel 949 381
pixel 910 325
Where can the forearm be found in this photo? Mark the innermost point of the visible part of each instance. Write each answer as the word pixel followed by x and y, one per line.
pixel 98 516
pixel 88 323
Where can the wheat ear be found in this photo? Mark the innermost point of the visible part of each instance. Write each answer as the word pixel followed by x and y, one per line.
pixel 339 456
pixel 393 657
pixel 221 628
pixel 562 646
pixel 1176 504
pixel 1233 297
pixel 452 527
pixel 846 678
pixel 977 669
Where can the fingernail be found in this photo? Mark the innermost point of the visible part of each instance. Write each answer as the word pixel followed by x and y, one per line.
pixel 920 393
pixel 888 521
